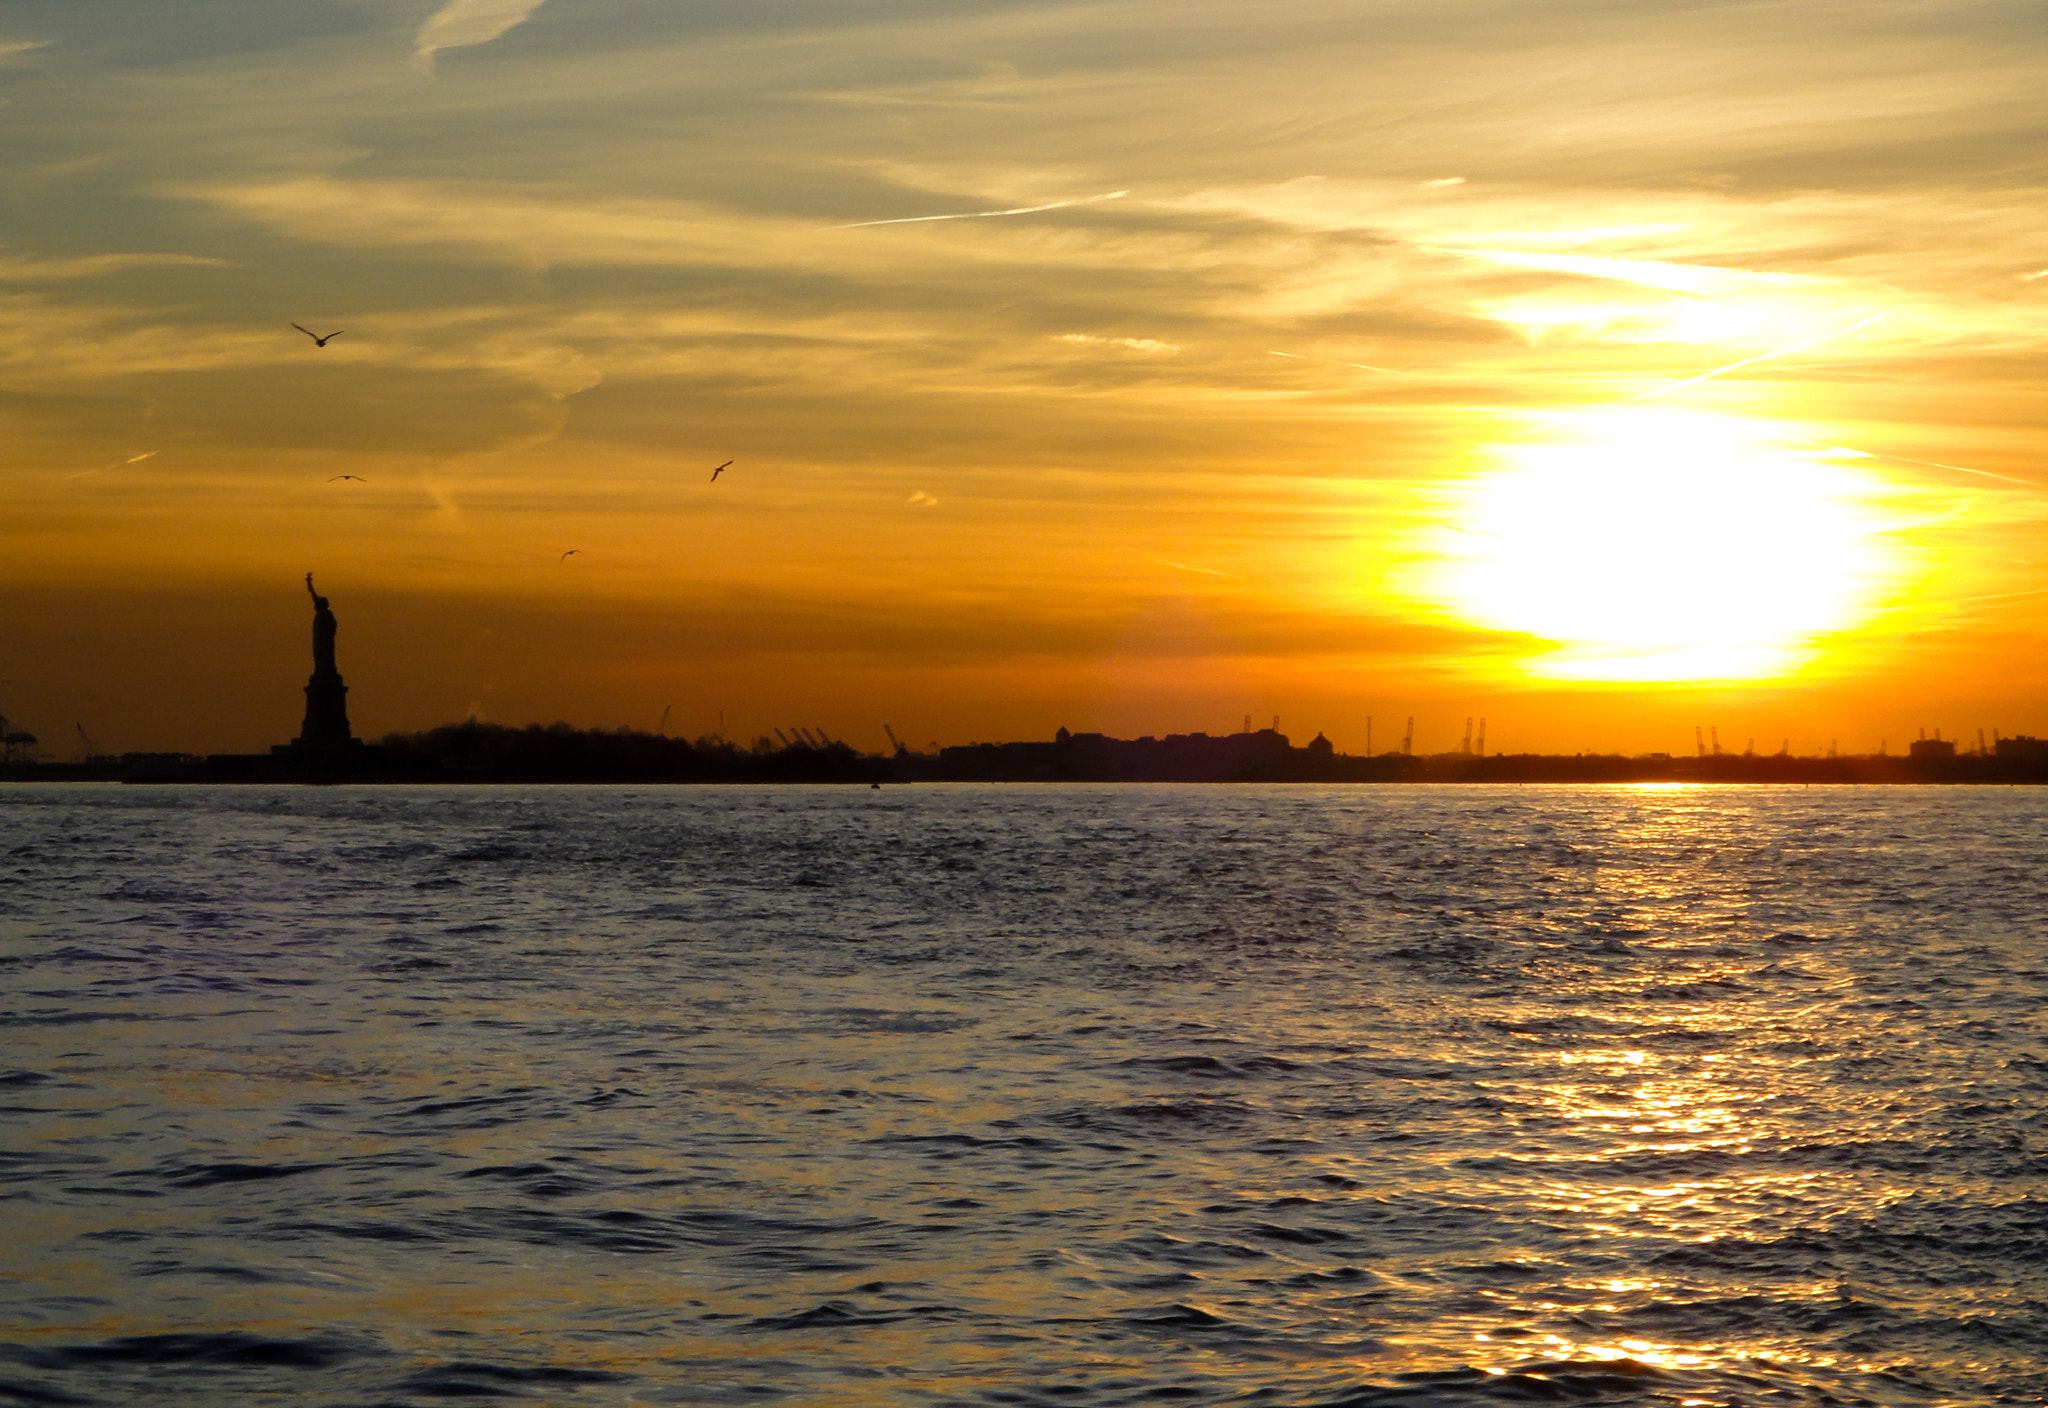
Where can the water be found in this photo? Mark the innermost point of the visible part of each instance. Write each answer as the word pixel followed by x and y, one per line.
pixel 1024 1095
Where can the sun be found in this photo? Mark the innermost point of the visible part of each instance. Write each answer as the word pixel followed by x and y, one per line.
pixel 1658 545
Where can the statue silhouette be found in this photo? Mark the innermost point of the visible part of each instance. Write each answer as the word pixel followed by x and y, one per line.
pixel 324 627
pixel 326 727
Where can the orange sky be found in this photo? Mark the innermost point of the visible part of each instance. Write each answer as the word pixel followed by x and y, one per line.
pixel 1601 369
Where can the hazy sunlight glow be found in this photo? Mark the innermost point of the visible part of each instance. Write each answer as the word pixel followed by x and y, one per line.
pixel 1657 545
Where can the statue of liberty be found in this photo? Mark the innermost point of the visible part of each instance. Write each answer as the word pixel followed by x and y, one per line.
pixel 326 727
pixel 324 627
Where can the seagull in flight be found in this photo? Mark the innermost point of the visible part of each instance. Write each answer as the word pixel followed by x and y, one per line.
pixel 569 554
pixel 357 477
pixel 720 470
pixel 318 340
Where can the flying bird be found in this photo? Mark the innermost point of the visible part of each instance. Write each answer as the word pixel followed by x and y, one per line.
pixel 357 477
pixel 569 554
pixel 720 470
pixel 318 340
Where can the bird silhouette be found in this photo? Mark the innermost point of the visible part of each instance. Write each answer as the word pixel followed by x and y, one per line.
pixel 357 477
pixel 318 340
pixel 720 470
pixel 569 554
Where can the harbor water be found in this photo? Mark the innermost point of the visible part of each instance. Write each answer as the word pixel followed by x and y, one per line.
pixel 815 1097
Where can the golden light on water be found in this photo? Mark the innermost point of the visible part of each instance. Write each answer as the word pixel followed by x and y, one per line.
pixel 1659 545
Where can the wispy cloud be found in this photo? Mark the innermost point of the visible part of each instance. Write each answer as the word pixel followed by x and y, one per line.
pixel 1591 235
pixel 461 24
pixel 1136 344
pixel 92 265
pixel 1701 279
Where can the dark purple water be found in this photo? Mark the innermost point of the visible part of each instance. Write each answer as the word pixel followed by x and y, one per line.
pixel 1024 1095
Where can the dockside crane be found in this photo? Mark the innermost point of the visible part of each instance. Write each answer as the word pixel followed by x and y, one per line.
pixel 1465 744
pixel 898 744
pixel 1408 739
pixel 92 751
pixel 1480 746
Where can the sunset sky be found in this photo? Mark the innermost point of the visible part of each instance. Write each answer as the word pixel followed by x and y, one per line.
pixel 1602 369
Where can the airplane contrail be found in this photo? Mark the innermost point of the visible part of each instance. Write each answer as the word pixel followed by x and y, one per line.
pixel 1937 464
pixel 1205 571
pixel 986 214
pixel 1296 356
pixel 1752 361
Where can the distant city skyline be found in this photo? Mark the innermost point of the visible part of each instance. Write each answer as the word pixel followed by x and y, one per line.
pixel 1605 370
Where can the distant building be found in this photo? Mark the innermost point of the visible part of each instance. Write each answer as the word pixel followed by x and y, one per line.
pixel 2023 749
pixel 1264 755
pixel 1927 750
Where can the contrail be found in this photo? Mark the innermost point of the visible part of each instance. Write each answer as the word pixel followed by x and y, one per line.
pixel 1296 356
pixel 1205 571
pixel 1937 464
pixel 985 214
pixel 1752 361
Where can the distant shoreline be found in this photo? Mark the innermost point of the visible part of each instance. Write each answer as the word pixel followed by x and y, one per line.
pixel 557 753
pixel 858 770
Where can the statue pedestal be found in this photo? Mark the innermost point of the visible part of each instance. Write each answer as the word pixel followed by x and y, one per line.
pixel 326 726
